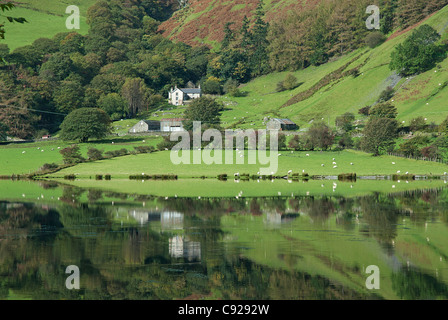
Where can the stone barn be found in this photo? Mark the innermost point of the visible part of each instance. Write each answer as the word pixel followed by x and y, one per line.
pixel 173 124
pixel 145 126
pixel 281 124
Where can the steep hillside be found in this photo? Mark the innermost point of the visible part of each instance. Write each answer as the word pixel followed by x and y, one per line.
pixel 318 98
pixel 203 20
pixel 45 19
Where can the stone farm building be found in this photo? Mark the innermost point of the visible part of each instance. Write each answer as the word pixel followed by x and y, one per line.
pixel 180 96
pixel 172 124
pixel 281 124
pixel 145 126
pixel 164 125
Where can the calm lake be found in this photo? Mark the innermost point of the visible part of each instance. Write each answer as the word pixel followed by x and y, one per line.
pixel 176 240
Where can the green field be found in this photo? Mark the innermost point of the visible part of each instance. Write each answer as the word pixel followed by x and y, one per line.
pixel 29 157
pixel 160 163
pixel 45 19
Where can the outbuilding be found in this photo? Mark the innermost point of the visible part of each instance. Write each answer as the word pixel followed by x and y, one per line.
pixel 171 124
pixel 145 126
pixel 281 124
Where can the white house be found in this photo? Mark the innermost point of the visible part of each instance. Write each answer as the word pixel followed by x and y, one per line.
pixel 180 96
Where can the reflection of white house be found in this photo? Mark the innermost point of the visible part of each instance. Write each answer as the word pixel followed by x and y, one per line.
pixel 181 247
pixel 273 218
pixel 180 96
pixel 168 219
pixel 172 220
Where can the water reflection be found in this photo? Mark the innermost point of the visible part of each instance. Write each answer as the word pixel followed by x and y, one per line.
pixel 145 247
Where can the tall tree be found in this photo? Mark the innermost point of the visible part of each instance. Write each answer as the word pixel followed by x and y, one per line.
pixel 135 92
pixel 379 135
pixel 258 58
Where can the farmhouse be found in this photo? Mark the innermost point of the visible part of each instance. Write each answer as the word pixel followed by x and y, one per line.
pixel 172 124
pixel 180 96
pixel 145 126
pixel 281 124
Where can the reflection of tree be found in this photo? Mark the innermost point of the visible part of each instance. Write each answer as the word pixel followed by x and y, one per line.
pixel 241 279
pixel 381 214
pixel 415 285
pixel 71 194
pixel 94 195
pixel 319 209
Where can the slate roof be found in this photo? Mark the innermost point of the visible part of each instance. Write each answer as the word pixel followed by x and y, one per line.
pixel 190 90
pixel 284 121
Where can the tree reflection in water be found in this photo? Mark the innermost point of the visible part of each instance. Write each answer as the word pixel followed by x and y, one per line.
pixel 181 253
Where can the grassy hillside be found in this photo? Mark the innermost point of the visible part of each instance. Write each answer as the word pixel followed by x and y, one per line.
pixel 424 95
pixel 45 19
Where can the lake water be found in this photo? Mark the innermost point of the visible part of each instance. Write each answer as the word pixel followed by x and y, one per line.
pixel 296 245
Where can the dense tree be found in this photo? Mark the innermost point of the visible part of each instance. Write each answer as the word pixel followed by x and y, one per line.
pixel 417 124
pixel 418 53
pixel 345 121
pixel 85 123
pixel 20 121
pixel 57 67
pixel 206 110
pixel 3 131
pixel 319 136
pixel 412 146
pixel 379 135
pixel 114 105
pixel 383 110
pixel 68 96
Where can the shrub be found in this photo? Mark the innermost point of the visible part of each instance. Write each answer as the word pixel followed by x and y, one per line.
pixel 144 149
pixel 289 83
pixel 71 155
pixel 49 166
pixel 94 154
pixel 417 124
pixel 222 177
pixel 347 177
pixel 374 39
pixel 365 110
pixel 116 153
pixel 295 143
pixel 386 95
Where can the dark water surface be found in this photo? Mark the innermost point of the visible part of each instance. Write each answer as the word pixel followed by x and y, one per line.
pixel 304 247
